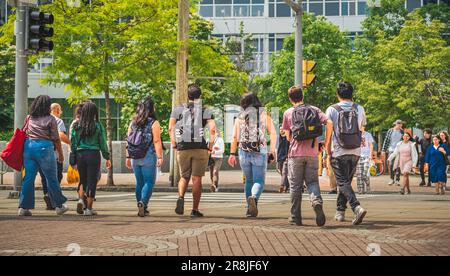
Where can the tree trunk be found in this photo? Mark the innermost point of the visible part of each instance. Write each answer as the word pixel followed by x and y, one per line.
pixel 110 180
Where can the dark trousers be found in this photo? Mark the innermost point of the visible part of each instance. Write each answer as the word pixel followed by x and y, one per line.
pixel 44 180
pixel 394 173
pixel 88 164
pixel 283 168
pixel 422 169
pixel 344 168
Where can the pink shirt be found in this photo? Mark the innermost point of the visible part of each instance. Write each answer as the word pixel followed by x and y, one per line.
pixel 302 148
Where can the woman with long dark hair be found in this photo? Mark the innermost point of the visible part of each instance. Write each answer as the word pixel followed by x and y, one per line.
pixel 405 157
pixel 88 139
pixel 39 153
pixel 250 133
pixel 145 153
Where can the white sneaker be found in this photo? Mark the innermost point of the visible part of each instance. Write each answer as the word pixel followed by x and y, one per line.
pixel 391 182
pixel 61 210
pixel 340 216
pixel 397 183
pixel 360 213
pixel 24 212
pixel 90 212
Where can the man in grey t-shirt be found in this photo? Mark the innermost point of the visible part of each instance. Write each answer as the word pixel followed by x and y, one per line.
pixel 344 158
pixel 56 112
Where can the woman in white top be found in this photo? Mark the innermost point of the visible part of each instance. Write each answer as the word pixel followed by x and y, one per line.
pixel 216 159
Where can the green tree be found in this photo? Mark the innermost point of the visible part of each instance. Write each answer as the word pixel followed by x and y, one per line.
pixel 323 43
pixel 7 71
pixel 407 76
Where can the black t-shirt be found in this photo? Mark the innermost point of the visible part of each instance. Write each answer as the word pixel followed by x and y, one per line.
pixel 191 122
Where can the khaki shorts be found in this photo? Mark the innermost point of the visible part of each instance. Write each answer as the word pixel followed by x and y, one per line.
pixel 193 162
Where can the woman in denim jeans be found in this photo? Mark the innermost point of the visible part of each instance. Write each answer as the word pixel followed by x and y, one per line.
pixel 145 168
pixel 250 131
pixel 39 154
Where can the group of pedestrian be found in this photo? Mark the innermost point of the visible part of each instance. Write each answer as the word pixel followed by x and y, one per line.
pixel 405 153
pixel 43 153
pixel 348 149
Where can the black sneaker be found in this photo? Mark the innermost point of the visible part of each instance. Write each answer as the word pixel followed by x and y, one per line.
pixel 320 216
pixel 141 208
pixel 248 214
pixel 196 214
pixel 429 184
pixel 179 210
pixel 293 221
pixel 422 184
pixel 48 202
pixel 146 211
pixel 333 192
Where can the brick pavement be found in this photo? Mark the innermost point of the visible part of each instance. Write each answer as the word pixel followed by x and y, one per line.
pixel 412 225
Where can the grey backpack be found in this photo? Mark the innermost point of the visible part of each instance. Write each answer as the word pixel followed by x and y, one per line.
pixel 348 134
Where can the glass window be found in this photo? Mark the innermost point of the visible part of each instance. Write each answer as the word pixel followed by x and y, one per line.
pixel 413 4
pixel 223 2
pixel 279 44
pixel 207 11
pixel 241 2
pixel 206 2
pixel 425 2
pixel 241 11
pixel 332 9
pixel 223 11
pixel 316 8
pixel 283 10
pixel 271 10
pixel 258 10
pixel 362 8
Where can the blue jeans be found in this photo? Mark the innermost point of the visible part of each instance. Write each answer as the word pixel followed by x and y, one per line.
pixel 40 154
pixel 145 173
pixel 254 166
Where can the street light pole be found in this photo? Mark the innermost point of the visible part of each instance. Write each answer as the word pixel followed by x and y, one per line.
pixel 180 96
pixel 297 8
pixel 21 89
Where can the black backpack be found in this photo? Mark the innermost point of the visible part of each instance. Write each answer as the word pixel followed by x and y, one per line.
pixel 140 140
pixel 306 123
pixel 348 134
pixel 188 131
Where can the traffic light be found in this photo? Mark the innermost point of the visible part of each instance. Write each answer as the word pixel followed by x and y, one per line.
pixel 308 76
pixel 38 31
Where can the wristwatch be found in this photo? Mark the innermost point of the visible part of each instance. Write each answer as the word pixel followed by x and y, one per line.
pixel 234 154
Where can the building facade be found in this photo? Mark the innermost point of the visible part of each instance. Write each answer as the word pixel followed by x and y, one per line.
pixel 270 21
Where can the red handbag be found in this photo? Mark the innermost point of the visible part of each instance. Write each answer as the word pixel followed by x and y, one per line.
pixel 12 155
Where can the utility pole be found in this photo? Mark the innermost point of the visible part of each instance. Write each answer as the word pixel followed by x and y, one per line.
pixel 180 96
pixel 297 8
pixel 21 90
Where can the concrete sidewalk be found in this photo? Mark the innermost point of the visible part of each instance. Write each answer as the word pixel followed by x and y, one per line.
pixel 231 181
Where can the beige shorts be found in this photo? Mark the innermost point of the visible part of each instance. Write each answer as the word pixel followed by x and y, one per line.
pixel 193 162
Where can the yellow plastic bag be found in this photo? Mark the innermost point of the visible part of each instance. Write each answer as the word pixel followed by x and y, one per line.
pixel 73 176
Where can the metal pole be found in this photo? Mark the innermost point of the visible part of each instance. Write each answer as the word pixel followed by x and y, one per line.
pixel 21 91
pixel 180 96
pixel 299 47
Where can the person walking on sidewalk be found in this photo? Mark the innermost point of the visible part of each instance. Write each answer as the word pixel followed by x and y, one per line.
pixel 404 157
pixel 282 162
pixel 249 131
pixel 423 146
pixel 39 154
pixel 88 139
pixel 393 137
pixel 303 125
pixel 362 171
pixel 435 163
pixel 145 152
pixel 55 111
pixel 217 152
pixel 187 134
pixel 346 121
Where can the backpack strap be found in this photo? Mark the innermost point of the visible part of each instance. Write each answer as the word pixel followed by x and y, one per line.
pixel 338 107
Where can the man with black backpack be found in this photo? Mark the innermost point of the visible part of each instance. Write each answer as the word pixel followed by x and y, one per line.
pixel 187 134
pixel 346 121
pixel 303 125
